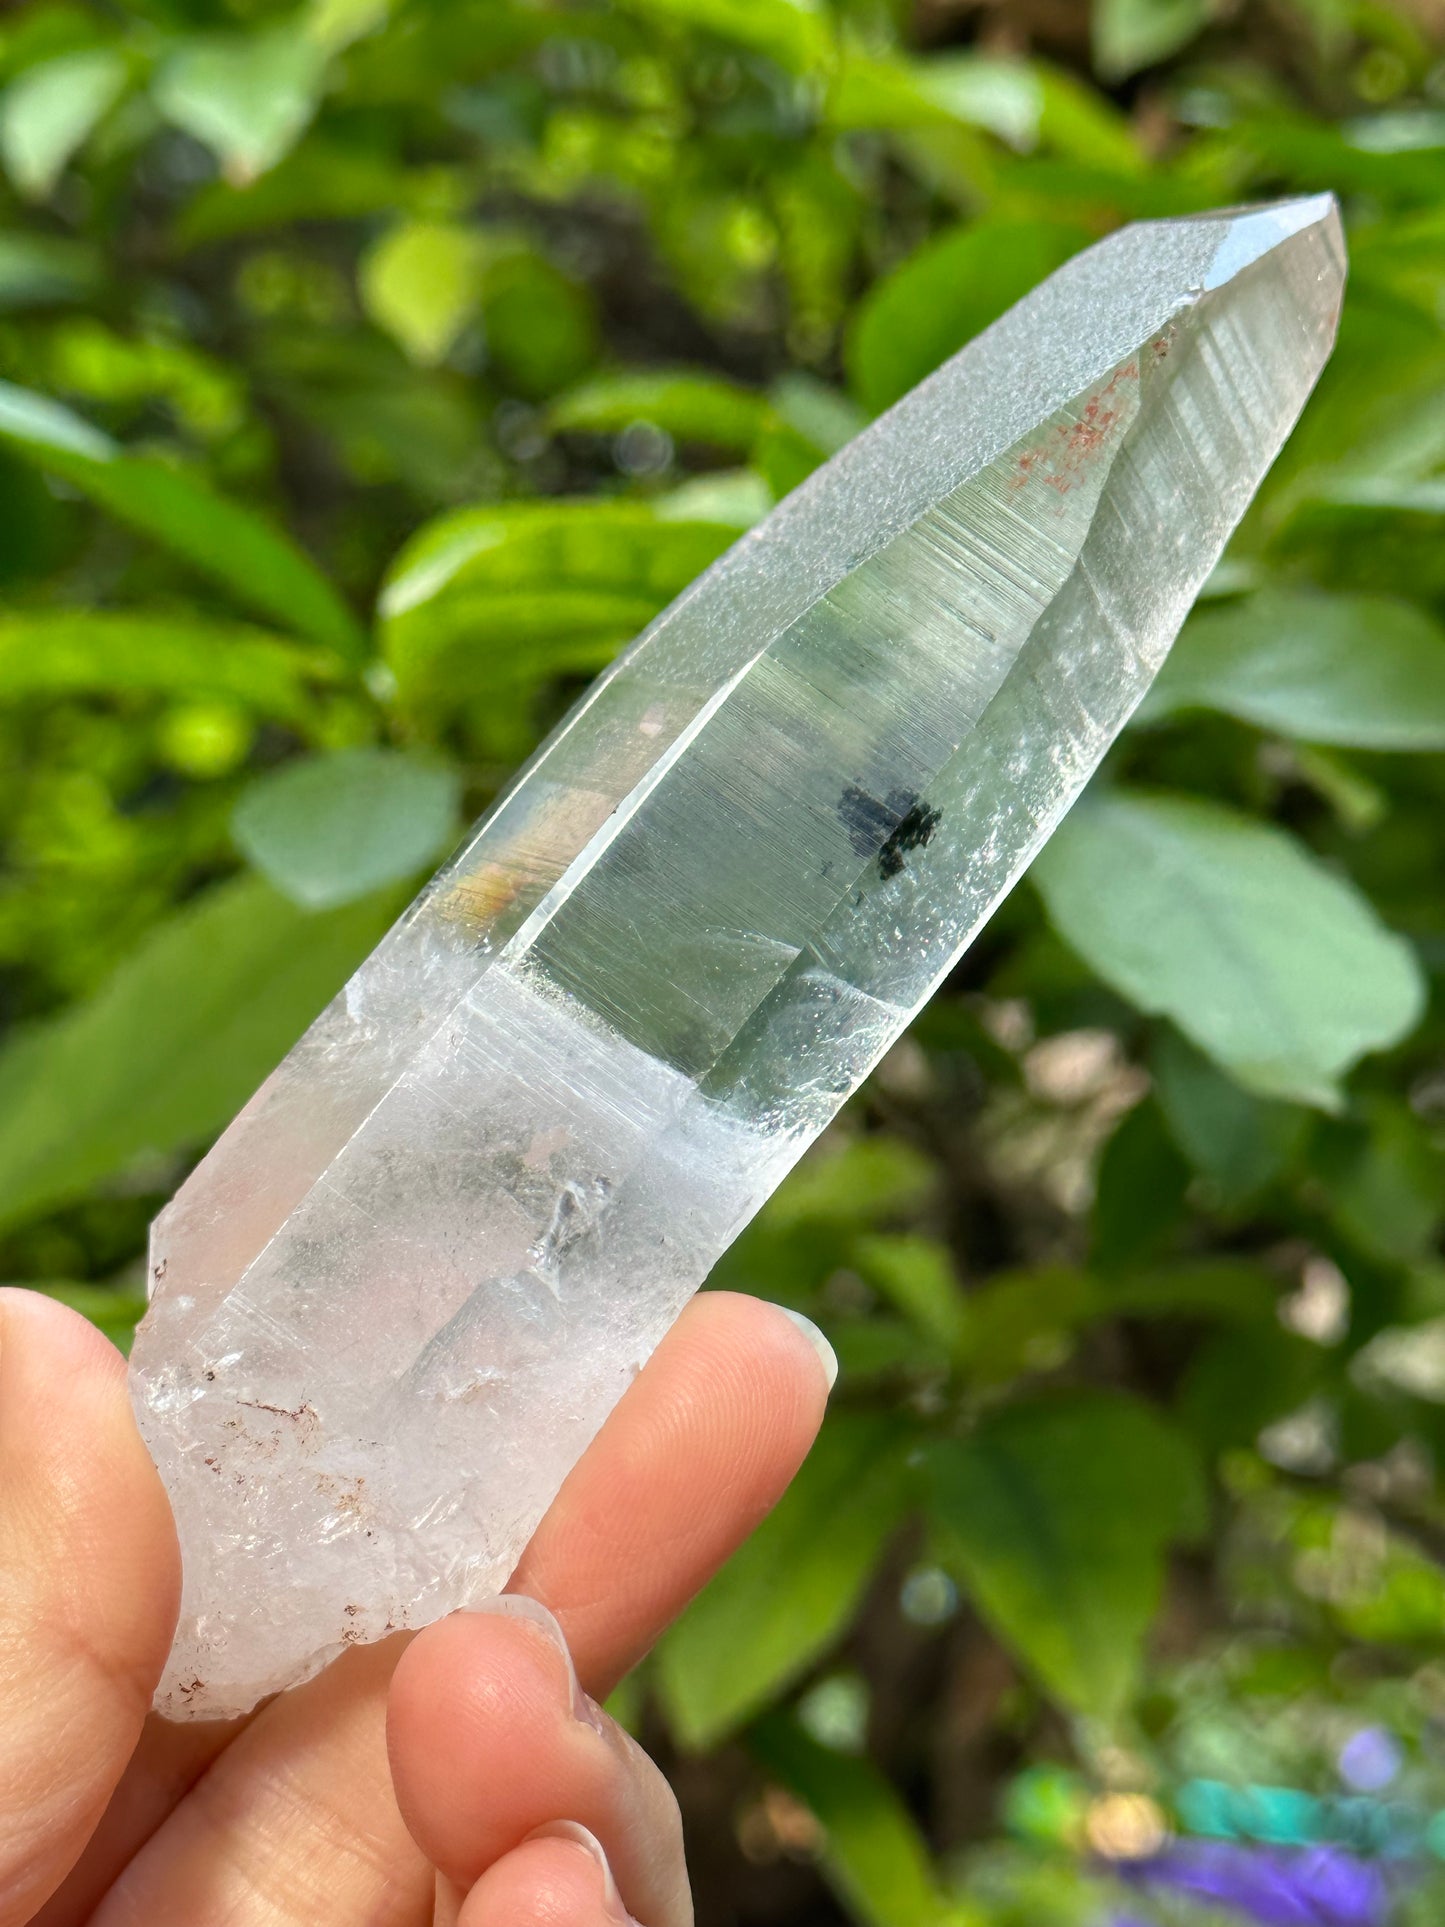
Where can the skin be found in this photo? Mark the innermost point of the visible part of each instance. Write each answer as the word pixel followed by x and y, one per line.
pixel 466 1777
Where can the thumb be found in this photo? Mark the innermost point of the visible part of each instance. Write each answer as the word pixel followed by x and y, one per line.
pixel 89 1586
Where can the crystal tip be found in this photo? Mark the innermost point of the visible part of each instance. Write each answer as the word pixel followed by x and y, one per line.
pixel 1253 232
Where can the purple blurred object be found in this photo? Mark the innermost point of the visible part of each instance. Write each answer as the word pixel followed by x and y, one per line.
pixel 1277 1887
pixel 1370 1759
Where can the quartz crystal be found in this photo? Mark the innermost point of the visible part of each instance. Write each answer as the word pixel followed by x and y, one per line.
pixel 402 1293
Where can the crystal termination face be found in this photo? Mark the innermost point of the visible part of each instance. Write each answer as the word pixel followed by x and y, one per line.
pixel 402 1293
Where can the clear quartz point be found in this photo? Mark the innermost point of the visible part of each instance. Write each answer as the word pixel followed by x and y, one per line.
pixel 402 1293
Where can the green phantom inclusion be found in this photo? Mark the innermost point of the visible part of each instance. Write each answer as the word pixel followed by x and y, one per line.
pixel 401 1294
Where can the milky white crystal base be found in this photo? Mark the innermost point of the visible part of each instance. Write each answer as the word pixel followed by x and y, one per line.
pixel 400 1296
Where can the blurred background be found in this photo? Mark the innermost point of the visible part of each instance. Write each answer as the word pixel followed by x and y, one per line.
pixel 1112 1595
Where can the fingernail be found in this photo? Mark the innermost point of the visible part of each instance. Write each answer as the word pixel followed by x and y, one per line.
pixel 612 1906
pixel 827 1357
pixel 516 1605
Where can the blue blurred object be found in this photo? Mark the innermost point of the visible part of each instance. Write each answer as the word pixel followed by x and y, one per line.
pixel 1312 1887
pixel 1285 1817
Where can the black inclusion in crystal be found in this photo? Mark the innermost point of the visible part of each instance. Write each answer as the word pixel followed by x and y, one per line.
pixel 914 829
pixel 887 827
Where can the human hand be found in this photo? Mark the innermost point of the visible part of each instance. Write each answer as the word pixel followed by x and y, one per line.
pixel 461 1778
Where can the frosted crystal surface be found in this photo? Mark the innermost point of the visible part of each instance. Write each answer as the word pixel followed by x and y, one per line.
pixel 404 1290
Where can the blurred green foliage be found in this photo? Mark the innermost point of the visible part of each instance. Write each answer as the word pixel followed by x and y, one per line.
pixel 371 372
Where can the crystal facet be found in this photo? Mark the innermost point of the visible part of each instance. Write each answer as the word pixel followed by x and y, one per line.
pixel 399 1297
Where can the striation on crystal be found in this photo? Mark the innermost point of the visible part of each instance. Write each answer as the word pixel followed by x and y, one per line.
pixel 399 1297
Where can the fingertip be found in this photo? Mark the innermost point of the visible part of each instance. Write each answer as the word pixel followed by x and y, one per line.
pixel 602 1881
pixel 818 1344
pixel 559 1879
pixel 783 1352
pixel 471 1690
pixel 491 1748
pixel 59 1338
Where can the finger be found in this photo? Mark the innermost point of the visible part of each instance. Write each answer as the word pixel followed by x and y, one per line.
pixel 500 1685
pixel 696 1455
pixel 277 1799
pixel 295 1823
pixel 89 1590
pixel 698 1451
pixel 561 1881
pixel 168 1762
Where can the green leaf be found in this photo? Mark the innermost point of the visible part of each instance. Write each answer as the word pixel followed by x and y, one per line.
pixel 335 24
pixel 1056 1516
pixel 249 97
pixel 1130 34
pixel 861 1182
pixel 49 112
pixel 1385 1181
pixel 234 546
pixel 1240 1142
pixel 321 180
pixel 38 425
pixel 735 498
pixel 877 1347
pixel 981 90
pixel 422 283
pixel 174 1043
pixel 490 598
pixel 790 1592
pixel 34 525
pixel 1235 1291
pixel 387 420
pixel 919 1277
pixel 1026 103
pixel 496 643
pixel 1402 1603
pixel 688 407
pixel 784 458
pixel 1024 1322
pixel 514 545
pixel 977 90
pixel 46 270
pixel 1273 965
pixel 823 415
pixel 540 325
pixel 942 296
pixel 1139 1199
pixel 1238 1382
pixel 1358 157
pixel 330 829
pixel 872 1852
pixel 1370 535
pixel 1078 121
pixel 72 652
pixel 809 422
pixel 797 34
pixel 1362 671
